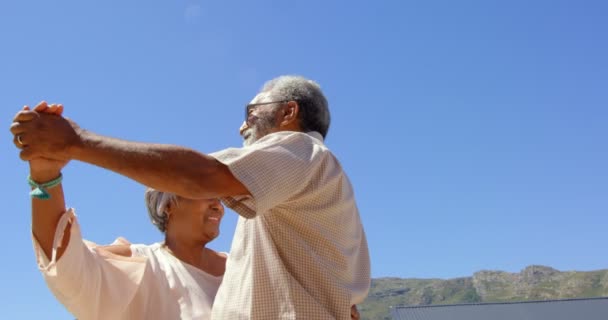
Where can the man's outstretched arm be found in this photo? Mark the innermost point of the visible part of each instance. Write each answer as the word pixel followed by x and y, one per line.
pixel 169 168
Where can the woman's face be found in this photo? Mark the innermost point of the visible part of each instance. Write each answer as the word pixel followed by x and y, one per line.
pixel 198 219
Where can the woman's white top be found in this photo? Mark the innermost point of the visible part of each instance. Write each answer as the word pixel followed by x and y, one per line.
pixel 93 283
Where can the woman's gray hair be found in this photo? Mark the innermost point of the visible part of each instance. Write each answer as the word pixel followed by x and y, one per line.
pixel 157 202
pixel 314 110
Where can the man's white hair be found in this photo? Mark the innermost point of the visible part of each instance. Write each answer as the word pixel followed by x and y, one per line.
pixel 314 109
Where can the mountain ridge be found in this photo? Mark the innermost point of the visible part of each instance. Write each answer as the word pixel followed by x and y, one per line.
pixel 535 282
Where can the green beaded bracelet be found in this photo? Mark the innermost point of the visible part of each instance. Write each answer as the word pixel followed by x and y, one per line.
pixel 40 189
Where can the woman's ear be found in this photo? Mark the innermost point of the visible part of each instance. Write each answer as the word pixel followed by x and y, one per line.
pixel 168 209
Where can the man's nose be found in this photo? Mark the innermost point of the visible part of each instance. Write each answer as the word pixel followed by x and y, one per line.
pixel 243 127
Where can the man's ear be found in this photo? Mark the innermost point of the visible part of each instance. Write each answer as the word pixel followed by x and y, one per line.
pixel 290 114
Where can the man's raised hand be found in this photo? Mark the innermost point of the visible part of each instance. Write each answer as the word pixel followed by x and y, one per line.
pixel 44 133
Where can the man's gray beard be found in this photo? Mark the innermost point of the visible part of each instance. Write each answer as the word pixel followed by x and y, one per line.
pixel 262 127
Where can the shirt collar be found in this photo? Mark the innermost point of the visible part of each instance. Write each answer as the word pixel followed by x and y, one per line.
pixel 315 135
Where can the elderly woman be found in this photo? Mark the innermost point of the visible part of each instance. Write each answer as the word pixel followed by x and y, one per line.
pixel 174 279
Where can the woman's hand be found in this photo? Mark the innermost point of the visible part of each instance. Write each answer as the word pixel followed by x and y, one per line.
pixel 43 169
pixel 354 313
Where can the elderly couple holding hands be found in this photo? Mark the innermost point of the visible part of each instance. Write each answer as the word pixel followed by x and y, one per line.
pixel 299 250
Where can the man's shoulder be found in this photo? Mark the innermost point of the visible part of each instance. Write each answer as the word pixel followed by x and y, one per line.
pixel 291 137
pixel 288 139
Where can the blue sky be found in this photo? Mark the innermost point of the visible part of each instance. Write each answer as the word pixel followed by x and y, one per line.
pixel 474 132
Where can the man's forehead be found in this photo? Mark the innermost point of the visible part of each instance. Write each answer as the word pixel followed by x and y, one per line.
pixel 261 97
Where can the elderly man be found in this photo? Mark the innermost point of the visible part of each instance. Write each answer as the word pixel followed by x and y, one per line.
pixel 299 249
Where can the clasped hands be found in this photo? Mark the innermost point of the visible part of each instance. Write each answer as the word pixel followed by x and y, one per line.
pixel 44 137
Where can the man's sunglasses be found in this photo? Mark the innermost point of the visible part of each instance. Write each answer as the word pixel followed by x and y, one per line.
pixel 249 108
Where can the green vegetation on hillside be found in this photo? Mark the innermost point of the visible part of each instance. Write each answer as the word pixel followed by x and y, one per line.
pixel 532 283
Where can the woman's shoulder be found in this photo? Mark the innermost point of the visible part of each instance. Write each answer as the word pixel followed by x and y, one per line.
pixel 123 250
pixel 217 256
pixel 218 261
pixel 139 249
pixel 221 254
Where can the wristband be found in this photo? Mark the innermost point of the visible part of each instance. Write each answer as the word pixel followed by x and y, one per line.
pixel 40 189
